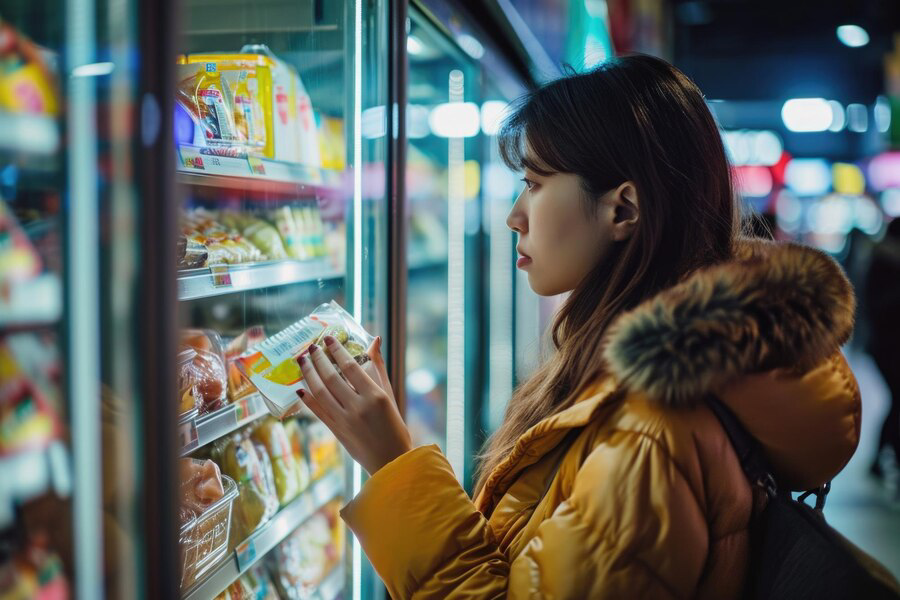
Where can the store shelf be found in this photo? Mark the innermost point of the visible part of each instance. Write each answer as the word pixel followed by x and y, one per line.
pixel 253 174
pixel 31 473
pixel 28 134
pixel 33 303
pixel 254 548
pixel 227 279
pixel 198 431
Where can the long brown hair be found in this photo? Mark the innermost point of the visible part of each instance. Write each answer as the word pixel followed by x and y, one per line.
pixel 639 119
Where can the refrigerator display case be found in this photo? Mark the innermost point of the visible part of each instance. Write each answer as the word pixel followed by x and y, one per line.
pixel 280 148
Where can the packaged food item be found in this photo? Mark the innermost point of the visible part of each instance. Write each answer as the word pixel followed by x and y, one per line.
pixel 27 82
pixel 224 245
pixel 19 260
pixel 238 385
pixel 254 506
pixel 305 558
pixel 203 537
pixel 332 145
pixel 272 364
pixel 34 572
pixel 206 373
pixel 191 253
pixel 323 449
pixel 297 439
pixel 268 473
pixel 260 584
pixel 200 485
pixel 27 417
pixel 188 405
pixel 271 434
pixel 290 233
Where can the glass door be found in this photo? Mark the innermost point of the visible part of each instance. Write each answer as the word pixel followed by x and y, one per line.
pixel 442 179
pixel 279 131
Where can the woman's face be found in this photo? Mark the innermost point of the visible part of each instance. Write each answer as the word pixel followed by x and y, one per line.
pixel 559 242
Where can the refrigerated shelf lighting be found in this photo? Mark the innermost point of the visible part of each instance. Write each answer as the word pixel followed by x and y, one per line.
pixel 838 119
pixel 470 45
pixel 454 120
pixel 884 171
pixel 806 114
pixel 492 114
pixel 882 114
pixel 853 36
pixel 413 45
pixel 857 118
pixel 890 202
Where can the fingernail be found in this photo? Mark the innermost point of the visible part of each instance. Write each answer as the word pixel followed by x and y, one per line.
pixel 301 392
pixel 301 359
pixel 313 348
pixel 329 340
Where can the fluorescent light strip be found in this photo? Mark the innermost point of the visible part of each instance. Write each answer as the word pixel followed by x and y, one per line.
pixel 356 567
pixel 83 300
pixel 500 349
pixel 456 278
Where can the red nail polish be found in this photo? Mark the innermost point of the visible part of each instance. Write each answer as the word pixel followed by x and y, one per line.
pixel 329 340
pixel 313 348
pixel 301 392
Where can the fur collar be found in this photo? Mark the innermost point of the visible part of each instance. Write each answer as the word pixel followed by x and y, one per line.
pixel 774 305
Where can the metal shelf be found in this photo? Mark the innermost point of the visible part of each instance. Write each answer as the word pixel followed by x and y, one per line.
pixel 28 134
pixel 254 174
pixel 227 279
pixel 198 431
pixel 251 550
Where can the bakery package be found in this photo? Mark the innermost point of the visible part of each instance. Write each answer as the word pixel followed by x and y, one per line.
pixel 271 366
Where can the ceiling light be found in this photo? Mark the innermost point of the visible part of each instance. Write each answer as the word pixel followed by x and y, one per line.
pixel 807 114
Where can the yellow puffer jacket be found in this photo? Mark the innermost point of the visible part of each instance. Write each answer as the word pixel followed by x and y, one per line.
pixel 646 497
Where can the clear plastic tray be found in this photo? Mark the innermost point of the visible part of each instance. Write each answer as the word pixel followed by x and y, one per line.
pixel 204 539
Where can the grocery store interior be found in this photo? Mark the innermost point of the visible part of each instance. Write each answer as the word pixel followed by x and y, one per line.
pixel 189 187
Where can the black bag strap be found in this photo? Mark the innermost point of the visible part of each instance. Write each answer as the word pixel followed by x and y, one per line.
pixel 754 464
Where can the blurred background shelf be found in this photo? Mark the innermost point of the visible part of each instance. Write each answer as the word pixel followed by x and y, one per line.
pixel 254 548
pixel 254 174
pixel 226 279
pixel 33 303
pixel 28 134
pixel 31 473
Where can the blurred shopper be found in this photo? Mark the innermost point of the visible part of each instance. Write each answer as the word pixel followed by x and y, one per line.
pixel 883 308
pixel 610 477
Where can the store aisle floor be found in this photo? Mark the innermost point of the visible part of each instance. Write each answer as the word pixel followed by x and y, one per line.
pixel 859 506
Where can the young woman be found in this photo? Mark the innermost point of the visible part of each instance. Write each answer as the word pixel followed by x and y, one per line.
pixel 609 476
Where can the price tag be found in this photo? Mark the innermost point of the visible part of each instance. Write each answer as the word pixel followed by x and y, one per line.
pixel 220 276
pixel 257 166
pixel 241 410
pixel 245 553
pixel 187 436
pixel 191 159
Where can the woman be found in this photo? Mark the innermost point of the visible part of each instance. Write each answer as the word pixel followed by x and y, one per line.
pixel 609 476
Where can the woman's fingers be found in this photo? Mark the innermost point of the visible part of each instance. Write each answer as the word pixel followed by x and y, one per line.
pixel 317 397
pixel 330 377
pixel 351 369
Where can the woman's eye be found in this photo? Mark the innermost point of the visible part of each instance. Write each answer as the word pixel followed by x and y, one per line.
pixel 529 183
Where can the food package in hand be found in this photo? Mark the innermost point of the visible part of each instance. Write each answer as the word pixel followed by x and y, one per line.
pixel 270 433
pixel 254 506
pixel 297 439
pixel 272 364
pixel 238 385
pixel 207 369
pixel 201 486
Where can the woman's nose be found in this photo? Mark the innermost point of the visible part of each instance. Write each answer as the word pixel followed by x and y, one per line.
pixel 517 219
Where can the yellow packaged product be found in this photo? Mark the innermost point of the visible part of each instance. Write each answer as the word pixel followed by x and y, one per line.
pixel 206 96
pixel 270 433
pixel 297 438
pixel 254 505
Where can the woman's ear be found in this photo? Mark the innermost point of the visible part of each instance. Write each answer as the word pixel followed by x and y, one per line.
pixel 624 202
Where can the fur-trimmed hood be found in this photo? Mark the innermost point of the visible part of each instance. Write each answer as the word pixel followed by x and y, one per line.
pixel 774 305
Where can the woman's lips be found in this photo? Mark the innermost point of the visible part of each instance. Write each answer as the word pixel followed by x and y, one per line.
pixel 523 261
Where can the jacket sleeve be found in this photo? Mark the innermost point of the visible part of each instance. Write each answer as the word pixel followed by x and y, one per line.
pixel 427 540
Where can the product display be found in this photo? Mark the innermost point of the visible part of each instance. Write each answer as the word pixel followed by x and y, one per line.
pixel 238 385
pixel 254 504
pixel 205 374
pixel 323 449
pixel 200 486
pixel 27 82
pixel 303 560
pixel 271 434
pixel 272 365
pixel 297 439
pixel 35 572
pixel 203 537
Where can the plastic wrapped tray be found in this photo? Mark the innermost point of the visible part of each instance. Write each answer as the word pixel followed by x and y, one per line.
pixel 204 539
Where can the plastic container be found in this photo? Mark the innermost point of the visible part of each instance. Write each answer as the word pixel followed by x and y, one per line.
pixel 187 402
pixel 204 539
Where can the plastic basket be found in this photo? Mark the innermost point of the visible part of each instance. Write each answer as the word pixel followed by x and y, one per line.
pixel 204 539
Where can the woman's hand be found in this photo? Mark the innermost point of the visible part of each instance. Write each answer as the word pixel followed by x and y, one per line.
pixel 360 411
